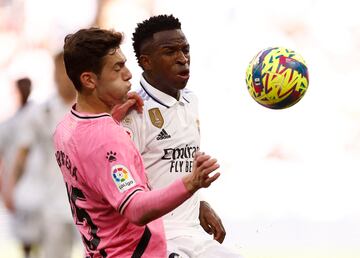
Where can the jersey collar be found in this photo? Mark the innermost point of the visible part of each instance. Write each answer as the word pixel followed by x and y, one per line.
pixel 86 115
pixel 159 96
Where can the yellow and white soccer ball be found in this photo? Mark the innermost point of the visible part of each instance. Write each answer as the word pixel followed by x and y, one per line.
pixel 277 78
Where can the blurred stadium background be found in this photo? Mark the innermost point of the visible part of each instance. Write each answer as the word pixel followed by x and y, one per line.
pixel 290 182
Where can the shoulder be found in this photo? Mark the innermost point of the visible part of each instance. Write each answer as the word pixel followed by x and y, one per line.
pixel 31 109
pixel 28 115
pixel 64 120
pixel 89 127
pixel 34 112
pixel 133 122
pixel 111 132
pixel 113 137
pixel 189 96
pixel 94 135
pixel 143 94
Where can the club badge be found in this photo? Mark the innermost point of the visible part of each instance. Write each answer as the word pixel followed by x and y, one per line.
pixel 156 117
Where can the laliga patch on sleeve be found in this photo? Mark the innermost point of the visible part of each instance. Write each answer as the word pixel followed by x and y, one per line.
pixel 122 177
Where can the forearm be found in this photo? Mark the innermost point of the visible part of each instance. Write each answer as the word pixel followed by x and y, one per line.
pixel 1 175
pixel 148 206
pixel 19 165
pixel 16 171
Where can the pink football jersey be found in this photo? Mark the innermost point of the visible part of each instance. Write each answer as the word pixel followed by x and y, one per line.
pixel 103 170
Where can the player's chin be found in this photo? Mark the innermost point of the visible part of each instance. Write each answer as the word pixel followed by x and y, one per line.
pixel 181 82
pixel 121 100
pixel 125 98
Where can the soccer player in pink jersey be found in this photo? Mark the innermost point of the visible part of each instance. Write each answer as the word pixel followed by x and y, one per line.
pixel 112 206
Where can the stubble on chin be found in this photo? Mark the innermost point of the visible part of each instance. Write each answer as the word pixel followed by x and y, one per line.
pixel 124 98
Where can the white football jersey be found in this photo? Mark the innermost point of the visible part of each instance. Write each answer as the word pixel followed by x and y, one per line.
pixel 167 136
pixel 9 131
pixel 39 127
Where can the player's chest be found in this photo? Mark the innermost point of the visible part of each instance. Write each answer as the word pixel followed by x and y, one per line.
pixel 172 127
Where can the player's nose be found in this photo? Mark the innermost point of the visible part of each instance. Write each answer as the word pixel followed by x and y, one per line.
pixel 127 75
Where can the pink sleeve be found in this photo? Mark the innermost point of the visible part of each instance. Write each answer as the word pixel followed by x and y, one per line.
pixel 117 171
pixel 147 206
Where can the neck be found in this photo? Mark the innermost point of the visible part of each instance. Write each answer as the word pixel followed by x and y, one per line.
pixel 175 93
pixel 91 104
pixel 68 101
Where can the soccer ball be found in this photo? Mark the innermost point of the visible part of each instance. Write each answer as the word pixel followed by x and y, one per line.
pixel 277 78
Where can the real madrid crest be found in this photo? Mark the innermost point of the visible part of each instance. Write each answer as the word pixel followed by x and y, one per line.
pixel 156 117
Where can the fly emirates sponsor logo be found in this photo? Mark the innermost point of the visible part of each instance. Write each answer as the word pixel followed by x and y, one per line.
pixel 180 159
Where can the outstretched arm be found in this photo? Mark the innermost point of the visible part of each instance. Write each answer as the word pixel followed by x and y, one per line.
pixel 147 206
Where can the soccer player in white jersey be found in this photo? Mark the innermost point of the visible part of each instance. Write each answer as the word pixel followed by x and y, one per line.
pixel 167 134
pixel 24 220
pixel 112 206
pixel 53 217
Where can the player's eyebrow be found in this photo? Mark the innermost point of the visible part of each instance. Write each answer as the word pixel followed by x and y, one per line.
pixel 174 45
pixel 120 62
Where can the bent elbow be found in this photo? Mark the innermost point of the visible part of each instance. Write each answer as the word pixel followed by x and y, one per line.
pixel 139 221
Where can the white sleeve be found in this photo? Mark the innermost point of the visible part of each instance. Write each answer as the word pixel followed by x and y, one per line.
pixel 4 131
pixel 27 126
pixel 135 126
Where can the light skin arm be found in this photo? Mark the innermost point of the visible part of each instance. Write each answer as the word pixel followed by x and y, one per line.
pixel 200 176
pixel 148 206
pixel 14 176
pixel 134 102
pixel 211 222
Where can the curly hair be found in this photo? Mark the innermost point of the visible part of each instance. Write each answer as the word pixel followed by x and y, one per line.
pixel 149 27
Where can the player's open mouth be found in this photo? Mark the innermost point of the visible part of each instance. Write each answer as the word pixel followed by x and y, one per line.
pixel 184 74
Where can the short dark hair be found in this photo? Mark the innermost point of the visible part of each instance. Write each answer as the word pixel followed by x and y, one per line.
pixel 149 27
pixel 24 82
pixel 24 87
pixel 84 51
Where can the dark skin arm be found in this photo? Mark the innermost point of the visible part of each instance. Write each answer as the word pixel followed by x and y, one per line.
pixel 211 222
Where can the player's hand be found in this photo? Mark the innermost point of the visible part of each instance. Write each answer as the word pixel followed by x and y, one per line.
pixel 134 101
pixel 200 176
pixel 211 222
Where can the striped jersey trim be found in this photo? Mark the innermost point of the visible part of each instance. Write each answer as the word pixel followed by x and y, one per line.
pixel 153 97
pixel 143 243
pixel 186 100
pixel 127 200
pixel 88 117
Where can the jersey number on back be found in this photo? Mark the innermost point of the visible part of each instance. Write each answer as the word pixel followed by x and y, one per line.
pixel 81 216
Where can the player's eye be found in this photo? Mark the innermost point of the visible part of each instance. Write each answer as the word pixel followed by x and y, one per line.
pixel 118 67
pixel 169 52
pixel 186 50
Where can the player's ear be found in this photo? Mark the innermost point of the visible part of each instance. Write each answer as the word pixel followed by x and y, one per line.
pixel 145 62
pixel 88 80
